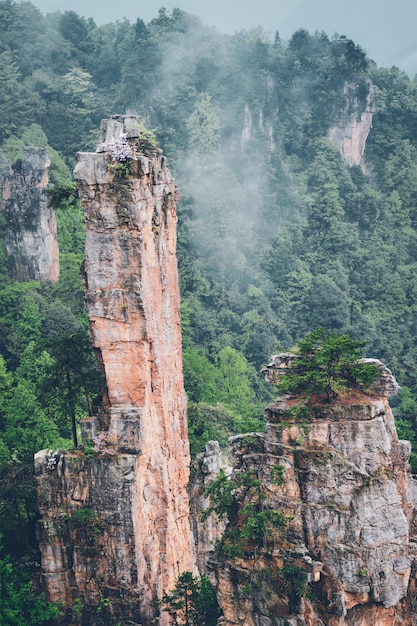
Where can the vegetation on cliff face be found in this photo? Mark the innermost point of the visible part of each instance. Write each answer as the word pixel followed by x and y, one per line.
pixel 250 525
pixel 276 234
pixel 192 602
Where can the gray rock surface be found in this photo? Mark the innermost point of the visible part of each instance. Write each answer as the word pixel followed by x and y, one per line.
pixel 31 231
pixel 351 501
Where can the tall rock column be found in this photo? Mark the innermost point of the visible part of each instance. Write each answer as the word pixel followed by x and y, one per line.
pixel 139 488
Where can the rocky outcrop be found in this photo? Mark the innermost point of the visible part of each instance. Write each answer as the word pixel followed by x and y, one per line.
pixel 385 384
pixel 31 232
pixel 322 528
pixel 206 530
pixel 351 131
pixel 134 487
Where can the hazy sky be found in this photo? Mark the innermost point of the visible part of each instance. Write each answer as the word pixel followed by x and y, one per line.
pixel 386 29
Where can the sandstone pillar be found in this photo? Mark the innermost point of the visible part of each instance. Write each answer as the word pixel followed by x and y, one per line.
pixel 139 488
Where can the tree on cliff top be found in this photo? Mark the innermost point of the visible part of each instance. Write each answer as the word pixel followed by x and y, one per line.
pixel 328 363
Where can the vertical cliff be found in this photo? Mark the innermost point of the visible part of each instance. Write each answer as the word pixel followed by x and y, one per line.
pixel 321 521
pixel 132 492
pixel 31 233
pixel 351 131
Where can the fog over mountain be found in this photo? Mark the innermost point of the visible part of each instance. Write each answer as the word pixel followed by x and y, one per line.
pixel 385 29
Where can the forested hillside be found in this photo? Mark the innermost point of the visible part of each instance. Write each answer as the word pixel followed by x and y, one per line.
pixel 277 235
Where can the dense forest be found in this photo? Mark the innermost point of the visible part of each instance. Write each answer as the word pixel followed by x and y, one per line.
pixel 276 235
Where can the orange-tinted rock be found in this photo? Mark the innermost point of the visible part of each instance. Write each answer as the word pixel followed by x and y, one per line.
pixel 132 300
pixel 354 125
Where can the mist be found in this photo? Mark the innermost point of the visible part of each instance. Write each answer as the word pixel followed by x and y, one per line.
pixel 383 28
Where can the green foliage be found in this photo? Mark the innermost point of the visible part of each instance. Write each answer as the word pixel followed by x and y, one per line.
pixel 33 135
pixel 275 237
pixel 240 501
pixel 83 515
pixel 34 413
pixel 145 134
pixel 222 501
pixel 328 363
pixel 260 526
pixel 73 372
pixel 207 422
pixel 298 413
pixel 77 609
pixel 59 194
pixel 19 604
pixel 89 449
pixel 222 396
pixel 192 602
pixel 204 127
pixel 28 427
pixel 104 604
pixel 277 474
pixel 405 412
pixel 295 579
pixel 120 170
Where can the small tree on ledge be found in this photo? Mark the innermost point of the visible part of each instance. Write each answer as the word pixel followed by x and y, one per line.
pixel 328 363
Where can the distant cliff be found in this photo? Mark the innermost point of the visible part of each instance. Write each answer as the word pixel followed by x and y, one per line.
pixel 354 124
pixel 348 132
pixel 31 232
pixel 115 521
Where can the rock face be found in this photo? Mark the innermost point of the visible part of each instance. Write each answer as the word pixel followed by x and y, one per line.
pixel 352 130
pixel 322 529
pixel 136 489
pixel 206 532
pixel 31 233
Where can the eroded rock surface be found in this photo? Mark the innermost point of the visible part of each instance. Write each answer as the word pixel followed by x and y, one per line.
pixel 345 554
pixel 31 232
pixel 138 490
pixel 206 530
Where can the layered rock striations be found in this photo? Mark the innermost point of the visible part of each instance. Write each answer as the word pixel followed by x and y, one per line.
pixel 135 489
pixel 30 224
pixel 321 532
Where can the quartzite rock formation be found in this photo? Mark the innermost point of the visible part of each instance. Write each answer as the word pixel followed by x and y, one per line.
pixel 345 552
pixel 31 234
pixel 116 525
